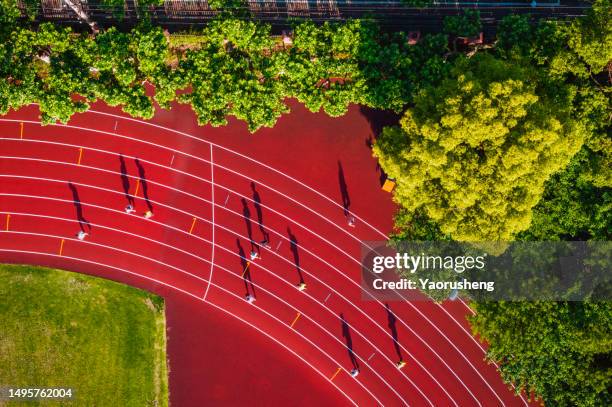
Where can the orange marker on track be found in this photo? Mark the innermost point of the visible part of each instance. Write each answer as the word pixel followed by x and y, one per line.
pixel 61 250
pixel 80 156
pixel 21 130
pixel 246 268
pixel 192 225
pixel 8 221
pixel 296 319
pixel 137 187
pixel 335 374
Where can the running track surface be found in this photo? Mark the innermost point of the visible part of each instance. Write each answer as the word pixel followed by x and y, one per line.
pixel 215 193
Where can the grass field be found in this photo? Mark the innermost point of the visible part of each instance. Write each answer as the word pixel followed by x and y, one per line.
pixel 61 329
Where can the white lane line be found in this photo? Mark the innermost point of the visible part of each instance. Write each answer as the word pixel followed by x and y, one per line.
pixel 245 157
pixel 350 400
pixel 334 361
pixel 385 236
pixel 212 214
pixel 332 336
pixel 320 237
pixel 282 258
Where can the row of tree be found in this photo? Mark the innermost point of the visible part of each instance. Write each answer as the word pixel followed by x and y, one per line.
pixel 514 144
pixel 238 69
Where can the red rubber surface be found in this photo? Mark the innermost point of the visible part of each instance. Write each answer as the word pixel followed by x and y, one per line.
pixel 223 350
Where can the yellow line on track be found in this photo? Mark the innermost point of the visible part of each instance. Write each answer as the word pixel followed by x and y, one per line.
pixel 335 374
pixel 296 319
pixel 192 225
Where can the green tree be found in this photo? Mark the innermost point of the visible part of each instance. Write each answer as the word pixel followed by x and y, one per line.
pixel 559 350
pixel 473 154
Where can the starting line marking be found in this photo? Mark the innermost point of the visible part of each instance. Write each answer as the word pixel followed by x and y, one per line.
pixel 335 374
pixel 192 225
pixel 278 245
pixel 116 122
pixel 296 319
pixel 172 160
pixel 327 298
pixel 226 199
pixel 371 356
pixel 61 249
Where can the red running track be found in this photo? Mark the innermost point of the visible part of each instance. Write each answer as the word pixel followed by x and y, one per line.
pixel 215 194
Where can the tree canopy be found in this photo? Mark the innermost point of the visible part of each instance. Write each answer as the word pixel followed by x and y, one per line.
pixel 474 152
pixel 558 350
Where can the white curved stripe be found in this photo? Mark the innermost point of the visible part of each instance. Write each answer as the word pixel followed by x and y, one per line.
pixel 245 157
pixel 329 221
pixel 239 174
pixel 234 254
pixel 207 261
pixel 305 315
pixel 206 220
pixel 191 295
pixel 212 214
pixel 184 134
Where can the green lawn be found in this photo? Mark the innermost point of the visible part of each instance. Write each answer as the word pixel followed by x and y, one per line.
pixel 60 329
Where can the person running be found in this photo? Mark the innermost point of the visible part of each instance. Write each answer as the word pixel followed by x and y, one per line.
pixel 148 214
pixel 401 364
pixel 254 255
pixel 355 372
pixel 129 209
pixel 301 286
pixel 81 235
pixel 250 298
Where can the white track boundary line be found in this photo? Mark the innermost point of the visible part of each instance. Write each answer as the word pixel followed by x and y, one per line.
pixel 334 338
pixel 242 156
pixel 212 214
pixel 197 298
pixel 299 203
pixel 282 258
pixel 163 205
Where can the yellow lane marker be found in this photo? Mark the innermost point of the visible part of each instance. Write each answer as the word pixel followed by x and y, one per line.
pixel 21 130
pixel 192 225
pixel 137 187
pixel 335 374
pixel 246 268
pixel 8 220
pixel 80 156
pixel 61 250
pixel 296 319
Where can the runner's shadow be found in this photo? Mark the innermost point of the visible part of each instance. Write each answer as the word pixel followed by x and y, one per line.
pixel 346 333
pixel 392 322
pixel 125 181
pixel 245 270
pixel 346 200
pixel 79 208
pixel 143 182
pixel 257 203
pixel 246 213
pixel 294 246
